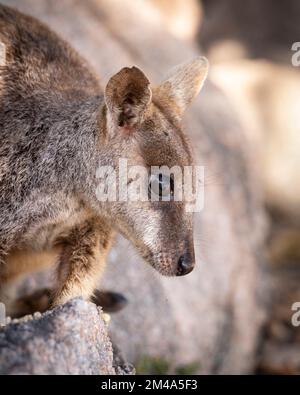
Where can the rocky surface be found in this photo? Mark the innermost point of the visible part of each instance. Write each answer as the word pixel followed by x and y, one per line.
pixel 71 339
pixel 270 117
pixel 214 315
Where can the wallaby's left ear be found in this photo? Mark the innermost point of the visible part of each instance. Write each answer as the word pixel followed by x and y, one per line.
pixel 127 97
pixel 183 84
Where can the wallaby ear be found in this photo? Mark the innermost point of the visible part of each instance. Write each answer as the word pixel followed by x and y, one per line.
pixel 127 97
pixel 183 83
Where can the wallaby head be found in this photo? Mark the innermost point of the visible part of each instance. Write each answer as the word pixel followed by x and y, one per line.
pixel 143 126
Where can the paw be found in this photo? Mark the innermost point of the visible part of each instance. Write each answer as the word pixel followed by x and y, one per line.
pixel 38 301
pixel 110 302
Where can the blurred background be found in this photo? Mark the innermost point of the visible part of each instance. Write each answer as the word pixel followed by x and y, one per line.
pixel 250 47
pixel 234 314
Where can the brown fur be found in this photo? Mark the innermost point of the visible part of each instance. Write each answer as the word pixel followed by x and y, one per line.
pixel 56 129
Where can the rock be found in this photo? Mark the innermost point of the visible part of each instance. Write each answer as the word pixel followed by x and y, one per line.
pixel 250 44
pixel 270 115
pixel 214 315
pixel 255 62
pixel 67 340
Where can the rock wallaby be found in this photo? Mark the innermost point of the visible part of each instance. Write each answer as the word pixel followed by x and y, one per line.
pixel 57 128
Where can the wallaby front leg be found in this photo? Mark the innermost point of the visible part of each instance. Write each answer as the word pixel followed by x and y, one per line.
pixel 82 262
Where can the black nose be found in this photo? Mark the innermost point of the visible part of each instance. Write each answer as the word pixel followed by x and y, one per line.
pixel 185 264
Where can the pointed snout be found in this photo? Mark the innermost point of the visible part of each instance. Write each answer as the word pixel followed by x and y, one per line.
pixel 185 264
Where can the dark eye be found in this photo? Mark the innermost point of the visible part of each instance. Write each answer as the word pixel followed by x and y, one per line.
pixel 162 186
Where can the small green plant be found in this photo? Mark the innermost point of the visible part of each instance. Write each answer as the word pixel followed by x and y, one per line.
pixel 151 365
pixel 160 366
pixel 191 368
